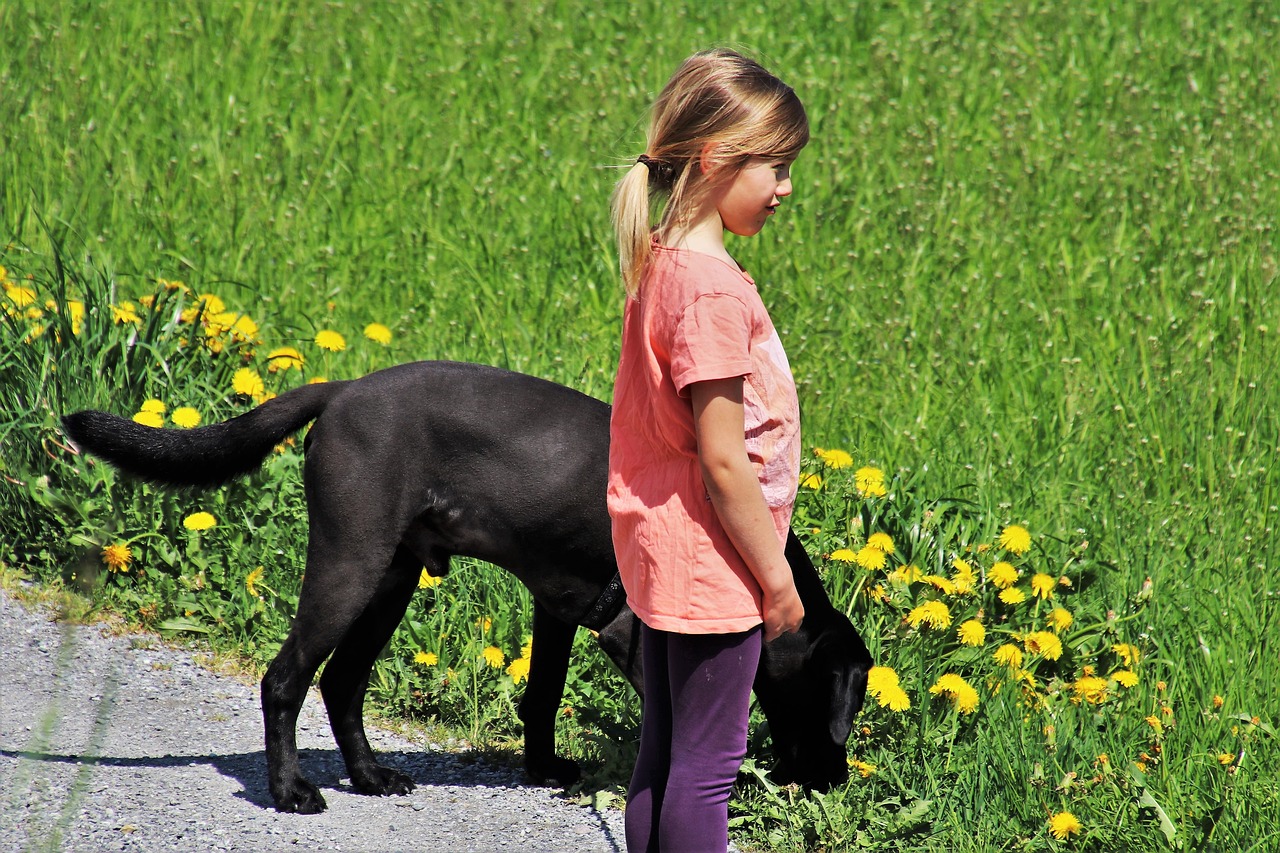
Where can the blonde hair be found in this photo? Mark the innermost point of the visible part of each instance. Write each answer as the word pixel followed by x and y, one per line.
pixel 719 108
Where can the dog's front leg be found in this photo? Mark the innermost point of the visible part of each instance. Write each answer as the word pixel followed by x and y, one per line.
pixel 552 644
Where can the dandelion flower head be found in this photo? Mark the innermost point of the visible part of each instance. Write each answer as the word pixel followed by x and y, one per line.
pixel 151 419
pixel 932 613
pixel 494 656
pixel 881 541
pixel 1008 655
pixel 834 458
pixel 199 521
pixel 247 382
pixel 972 633
pixel 1042 585
pixel 426 658
pixel 963 697
pixel 1063 825
pixel 185 417
pixel 1012 595
pixel 284 358
pixel 844 555
pixel 1003 574
pixel 117 556
pixel 426 580
pixel 519 669
pixel 870 558
pixel 1043 643
pixel 869 482
pixel 1015 539
pixel 1060 618
pixel 327 339
pixel 378 333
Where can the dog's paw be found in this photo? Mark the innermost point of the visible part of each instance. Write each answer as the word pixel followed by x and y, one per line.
pixel 563 771
pixel 383 782
pixel 300 797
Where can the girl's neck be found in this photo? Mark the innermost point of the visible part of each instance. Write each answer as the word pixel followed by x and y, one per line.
pixel 705 234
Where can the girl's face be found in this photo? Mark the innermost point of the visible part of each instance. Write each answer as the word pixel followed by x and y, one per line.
pixel 753 194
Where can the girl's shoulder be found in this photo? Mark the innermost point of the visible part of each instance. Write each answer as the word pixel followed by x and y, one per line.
pixel 679 272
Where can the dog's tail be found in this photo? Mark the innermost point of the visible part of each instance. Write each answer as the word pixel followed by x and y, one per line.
pixel 204 456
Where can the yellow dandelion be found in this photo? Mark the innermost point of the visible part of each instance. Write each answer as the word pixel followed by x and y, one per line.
pixel 812 482
pixel 76 309
pixel 1042 585
pixel 247 383
pixel 317 380
pixel 1218 702
pixel 117 556
pixel 972 633
pixel 20 296
pixel 153 405
pixel 210 304
pixel 1043 643
pixel 327 339
pixel 1003 574
pixel 426 659
pixel 185 417
pixel 199 521
pixel 1012 595
pixel 244 327
pixel 1015 539
pixel 943 585
pixel 1008 655
pixel 378 333
pixel 485 624
pixel 1060 618
pixel 963 697
pixel 1127 652
pixel 1226 758
pixel 1089 688
pixel 426 580
pixel 125 313
pixel 151 419
pixel 870 558
pixel 519 669
pixel 864 768
pixel 252 580
pixel 1156 725
pixel 1125 677
pixel 878 593
pixel 844 555
pixel 965 578
pixel 869 482
pixel 835 458
pixel 881 541
pixel 1063 825
pixel 932 613
pixel 882 684
pixel 906 574
pixel 283 359
pixel 494 656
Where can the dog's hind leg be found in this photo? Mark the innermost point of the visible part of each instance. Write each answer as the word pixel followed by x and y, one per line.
pixel 552 643
pixel 346 676
pixel 335 592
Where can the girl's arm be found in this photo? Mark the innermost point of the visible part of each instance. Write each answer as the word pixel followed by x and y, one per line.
pixel 734 488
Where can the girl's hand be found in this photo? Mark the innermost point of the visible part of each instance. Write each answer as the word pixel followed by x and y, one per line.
pixel 783 612
pixel 734 489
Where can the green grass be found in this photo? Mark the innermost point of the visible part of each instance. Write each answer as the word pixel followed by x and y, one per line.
pixel 1029 270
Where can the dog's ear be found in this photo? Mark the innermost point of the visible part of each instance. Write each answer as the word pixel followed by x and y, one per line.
pixel 839 668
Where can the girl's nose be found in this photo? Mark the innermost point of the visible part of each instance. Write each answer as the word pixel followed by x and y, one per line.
pixel 784 188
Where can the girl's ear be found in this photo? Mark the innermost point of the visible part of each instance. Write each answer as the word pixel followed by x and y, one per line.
pixel 706 159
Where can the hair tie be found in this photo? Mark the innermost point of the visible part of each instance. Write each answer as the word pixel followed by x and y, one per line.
pixel 660 171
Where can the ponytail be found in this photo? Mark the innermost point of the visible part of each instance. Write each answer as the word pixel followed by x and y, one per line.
pixel 631 225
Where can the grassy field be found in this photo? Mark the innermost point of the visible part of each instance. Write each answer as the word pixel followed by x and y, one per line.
pixel 1029 272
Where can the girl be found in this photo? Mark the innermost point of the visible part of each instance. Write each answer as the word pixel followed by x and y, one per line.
pixel 704 456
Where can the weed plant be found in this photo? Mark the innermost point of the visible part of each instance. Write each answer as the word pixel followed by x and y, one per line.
pixel 1027 283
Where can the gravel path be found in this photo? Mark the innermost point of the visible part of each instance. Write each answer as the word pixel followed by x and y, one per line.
pixel 120 743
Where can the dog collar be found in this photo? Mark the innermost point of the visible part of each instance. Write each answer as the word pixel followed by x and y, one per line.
pixel 606 606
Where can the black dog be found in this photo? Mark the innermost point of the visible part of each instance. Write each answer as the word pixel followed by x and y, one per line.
pixel 411 465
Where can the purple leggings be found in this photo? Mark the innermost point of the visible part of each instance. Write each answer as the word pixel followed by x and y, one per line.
pixel 693 737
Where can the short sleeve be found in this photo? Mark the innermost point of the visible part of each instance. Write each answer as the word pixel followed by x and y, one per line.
pixel 712 340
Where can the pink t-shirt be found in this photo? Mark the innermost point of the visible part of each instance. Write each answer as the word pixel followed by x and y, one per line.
pixel 697 318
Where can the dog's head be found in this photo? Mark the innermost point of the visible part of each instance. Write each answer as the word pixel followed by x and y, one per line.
pixel 810 686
